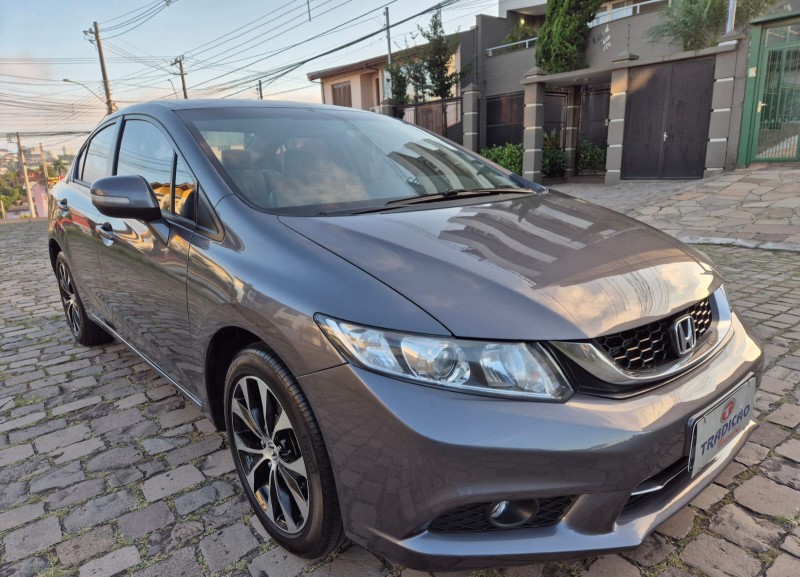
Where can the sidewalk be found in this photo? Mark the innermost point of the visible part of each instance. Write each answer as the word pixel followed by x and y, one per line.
pixel 756 207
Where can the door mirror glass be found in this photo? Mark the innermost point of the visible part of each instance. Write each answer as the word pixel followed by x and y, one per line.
pixel 125 197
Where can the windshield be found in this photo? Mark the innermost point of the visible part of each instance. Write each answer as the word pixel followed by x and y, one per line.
pixel 307 161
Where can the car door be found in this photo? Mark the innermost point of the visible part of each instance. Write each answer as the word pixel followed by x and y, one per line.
pixel 145 264
pixel 78 218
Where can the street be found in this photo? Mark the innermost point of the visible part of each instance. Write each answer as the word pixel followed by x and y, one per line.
pixel 106 469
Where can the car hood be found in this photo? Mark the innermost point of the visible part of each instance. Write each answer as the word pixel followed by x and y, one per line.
pixel 535 267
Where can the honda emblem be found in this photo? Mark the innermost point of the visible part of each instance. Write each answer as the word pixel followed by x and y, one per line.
pixel 684 336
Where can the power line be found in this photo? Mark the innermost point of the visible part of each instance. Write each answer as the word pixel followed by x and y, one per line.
pixel 356 41
pixel 131 12
pixel 139 19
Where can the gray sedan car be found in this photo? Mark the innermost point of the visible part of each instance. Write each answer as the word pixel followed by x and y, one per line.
pixel 407 345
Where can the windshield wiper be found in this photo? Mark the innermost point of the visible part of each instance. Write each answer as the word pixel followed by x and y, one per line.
pixel 456 193
pixel 447 194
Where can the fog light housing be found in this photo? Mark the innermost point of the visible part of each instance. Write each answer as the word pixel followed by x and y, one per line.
pixel 510 514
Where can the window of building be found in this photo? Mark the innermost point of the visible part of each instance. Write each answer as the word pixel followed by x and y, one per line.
pixel 95 163
pixel 341 94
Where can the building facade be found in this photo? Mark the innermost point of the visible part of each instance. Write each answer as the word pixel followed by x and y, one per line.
pixel 657 112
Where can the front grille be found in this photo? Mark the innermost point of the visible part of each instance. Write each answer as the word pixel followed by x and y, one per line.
pixel 470 518
pixel 649 346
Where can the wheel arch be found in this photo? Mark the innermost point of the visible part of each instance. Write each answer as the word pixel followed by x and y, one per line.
pixel 54 249
pixel 222 348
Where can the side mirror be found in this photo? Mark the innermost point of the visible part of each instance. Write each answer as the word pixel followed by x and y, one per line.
pixel 125 197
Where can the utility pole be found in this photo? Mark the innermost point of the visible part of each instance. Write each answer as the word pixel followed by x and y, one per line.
pixel 260 91
pixel 388 37
pixel 44 169
pixel 106 87
pixel 179 61
pixel 31 205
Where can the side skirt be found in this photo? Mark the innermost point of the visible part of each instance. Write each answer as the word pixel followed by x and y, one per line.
pixel 171 381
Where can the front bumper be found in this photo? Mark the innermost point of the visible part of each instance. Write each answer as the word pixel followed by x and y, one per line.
pixel 403 454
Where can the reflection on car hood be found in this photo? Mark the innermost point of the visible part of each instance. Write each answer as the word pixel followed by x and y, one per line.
pixel 536 267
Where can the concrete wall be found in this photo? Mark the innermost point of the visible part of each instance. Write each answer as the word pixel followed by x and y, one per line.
pixel 504 73
pixel 529 6
pixel 727 106
pixel 608 40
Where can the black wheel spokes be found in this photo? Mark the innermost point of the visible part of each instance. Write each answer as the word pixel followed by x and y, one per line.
pixel 69 299
pixel 270 455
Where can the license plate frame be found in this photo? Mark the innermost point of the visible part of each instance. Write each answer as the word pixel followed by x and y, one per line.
pixel 712 430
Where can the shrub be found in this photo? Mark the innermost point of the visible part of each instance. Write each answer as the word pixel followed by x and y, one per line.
pixel 554 159
pixel 591 157
pixel 564 34
pixel 508 156
pixel 520 32
pixel 697 24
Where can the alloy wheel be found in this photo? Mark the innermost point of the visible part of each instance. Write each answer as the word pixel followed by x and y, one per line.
pixel 270 455
pixel 69 299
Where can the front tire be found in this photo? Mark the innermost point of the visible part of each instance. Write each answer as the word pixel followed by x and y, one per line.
pixel 85 331
pixel 280 455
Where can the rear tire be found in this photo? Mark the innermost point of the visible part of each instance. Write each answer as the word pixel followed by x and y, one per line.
pixel 86 331
pixel 280 455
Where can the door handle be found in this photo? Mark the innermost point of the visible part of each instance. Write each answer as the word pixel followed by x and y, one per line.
pixel 761 104
pixel 665 136
pixel 106 231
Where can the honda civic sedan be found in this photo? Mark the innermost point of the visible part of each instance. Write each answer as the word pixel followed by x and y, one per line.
pixel 407 345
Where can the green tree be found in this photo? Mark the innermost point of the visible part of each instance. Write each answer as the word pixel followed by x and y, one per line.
pixel 747 10
pixel 697 24
pixel 10 190
pixel 399 83
pixel 520 32
pixel 437 56
pixel 417 76
pixel 59 167
pixel 564 34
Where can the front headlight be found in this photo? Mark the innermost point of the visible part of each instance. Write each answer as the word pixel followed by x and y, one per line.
pixel 520 370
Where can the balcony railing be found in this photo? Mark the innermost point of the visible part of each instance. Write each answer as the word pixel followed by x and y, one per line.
pixel 625 11
pixel 514 46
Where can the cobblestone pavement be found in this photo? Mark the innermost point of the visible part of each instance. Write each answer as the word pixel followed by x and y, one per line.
pixel 754 207
pixel 106 470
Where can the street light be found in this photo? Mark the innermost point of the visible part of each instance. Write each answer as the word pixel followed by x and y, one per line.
pixel 89 89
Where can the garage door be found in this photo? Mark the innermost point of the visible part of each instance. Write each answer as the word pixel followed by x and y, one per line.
pixel 667 112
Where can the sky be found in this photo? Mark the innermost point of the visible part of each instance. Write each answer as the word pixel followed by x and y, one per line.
pixel 225 45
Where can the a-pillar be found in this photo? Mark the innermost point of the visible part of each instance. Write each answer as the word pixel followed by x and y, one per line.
pixel 533 137
pixel 573 109
pixel 616 125
pixel 471 102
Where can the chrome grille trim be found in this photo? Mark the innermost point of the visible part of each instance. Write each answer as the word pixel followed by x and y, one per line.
pixel 593 359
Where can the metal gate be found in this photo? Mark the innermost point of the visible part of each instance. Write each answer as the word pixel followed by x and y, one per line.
pixel 593 122
pixel 505 119
pixel 443 117
pixel 667 112
pixel 777 113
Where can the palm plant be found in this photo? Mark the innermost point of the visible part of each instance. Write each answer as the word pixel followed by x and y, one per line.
pixel 697 24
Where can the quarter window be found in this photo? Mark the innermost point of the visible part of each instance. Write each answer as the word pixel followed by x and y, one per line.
pixel 145 151
pixel 185 191
pixel 95 165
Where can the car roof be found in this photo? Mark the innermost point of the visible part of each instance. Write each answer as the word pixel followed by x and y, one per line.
pixel 155 107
